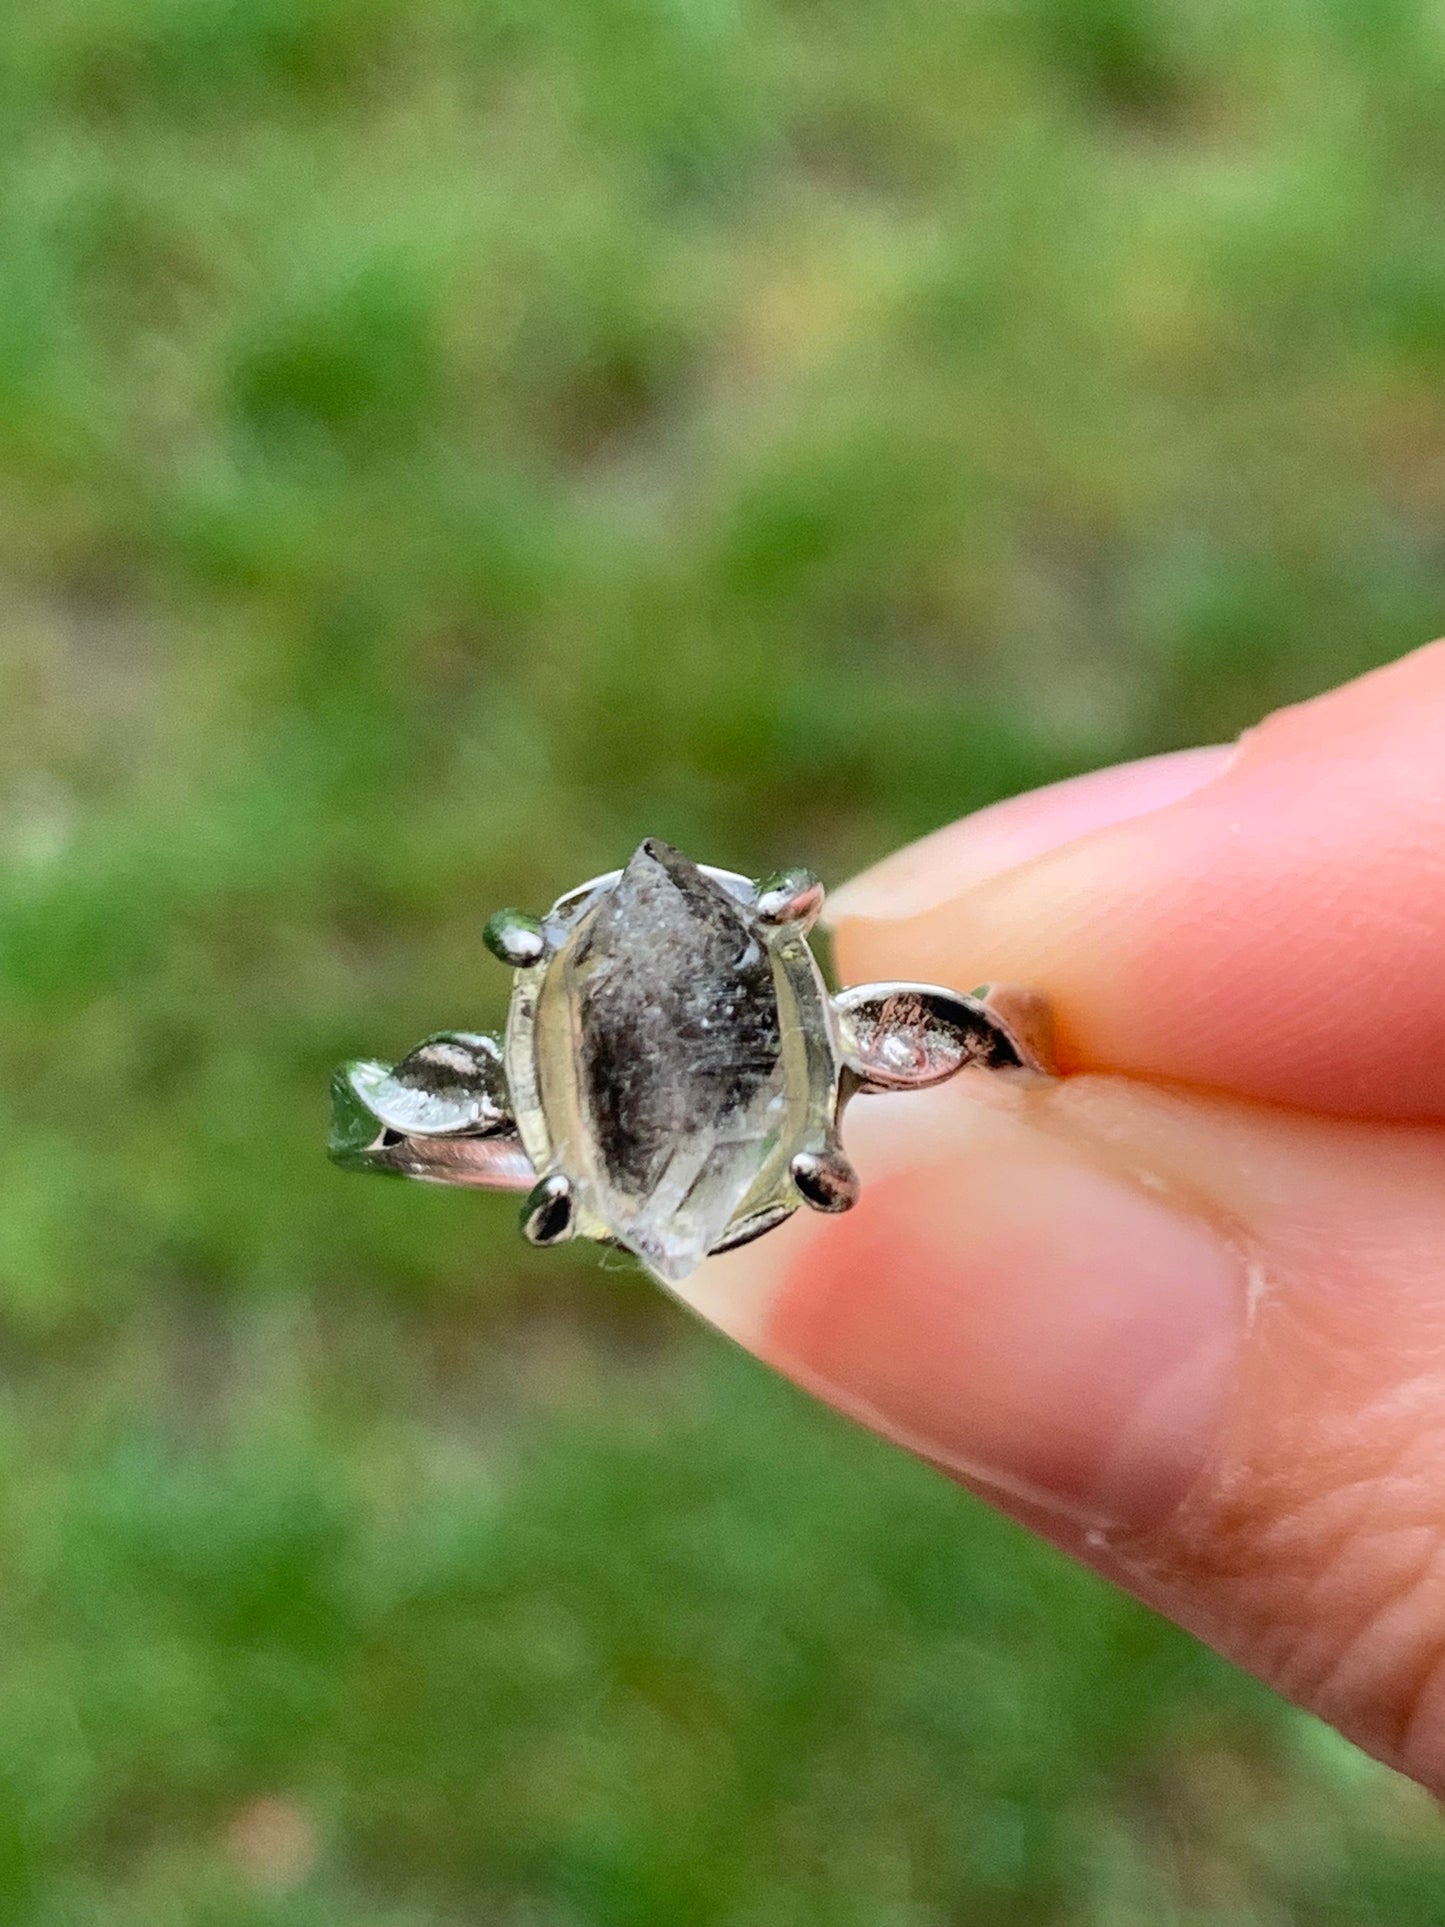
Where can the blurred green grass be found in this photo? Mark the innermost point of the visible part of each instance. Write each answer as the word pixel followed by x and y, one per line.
pixel 440 442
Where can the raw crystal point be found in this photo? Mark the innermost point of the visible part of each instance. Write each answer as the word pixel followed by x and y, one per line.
pixel 681 1092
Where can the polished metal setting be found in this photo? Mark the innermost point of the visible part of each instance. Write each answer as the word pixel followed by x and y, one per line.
pixel 674 1071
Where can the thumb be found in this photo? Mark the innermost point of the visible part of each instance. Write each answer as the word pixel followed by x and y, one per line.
pixel 1198 1343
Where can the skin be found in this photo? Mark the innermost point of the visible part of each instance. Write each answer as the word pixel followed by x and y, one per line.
pixel 1182 1311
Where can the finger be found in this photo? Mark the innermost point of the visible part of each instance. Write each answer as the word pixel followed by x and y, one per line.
pixel 1274 927
pixel 1198 1343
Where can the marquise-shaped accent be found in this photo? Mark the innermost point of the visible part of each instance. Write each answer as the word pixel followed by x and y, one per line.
pixel 452 1083
pixel 905 1037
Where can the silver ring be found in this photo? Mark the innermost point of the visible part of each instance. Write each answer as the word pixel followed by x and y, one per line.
pixel 674 1071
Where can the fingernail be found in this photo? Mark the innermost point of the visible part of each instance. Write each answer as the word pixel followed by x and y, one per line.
pixel 1030 1322
pixel 951 860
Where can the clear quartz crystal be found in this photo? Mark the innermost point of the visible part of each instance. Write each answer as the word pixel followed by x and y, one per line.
pixel 664 1047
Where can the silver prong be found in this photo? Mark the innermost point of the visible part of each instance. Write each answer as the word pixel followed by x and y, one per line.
pixel 515 938
pixel 790 896
pixel 547 1216
pixel 826 1179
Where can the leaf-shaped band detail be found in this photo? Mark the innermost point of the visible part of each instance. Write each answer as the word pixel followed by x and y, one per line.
pixel 905 1036
pixel 441 1114
pixel 452 1083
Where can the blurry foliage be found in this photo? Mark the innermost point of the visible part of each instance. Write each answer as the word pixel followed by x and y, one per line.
pixel 440 442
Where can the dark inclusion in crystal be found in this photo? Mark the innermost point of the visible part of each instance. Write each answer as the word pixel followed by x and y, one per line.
pixel 679 1015
pixel 681 1088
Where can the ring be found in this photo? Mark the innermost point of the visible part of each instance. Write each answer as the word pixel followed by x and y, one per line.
pixel 674 1071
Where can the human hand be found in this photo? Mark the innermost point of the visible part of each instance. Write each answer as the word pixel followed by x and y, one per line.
pixel 1182 1312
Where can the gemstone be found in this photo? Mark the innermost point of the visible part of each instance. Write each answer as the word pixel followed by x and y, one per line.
pixel 663 1071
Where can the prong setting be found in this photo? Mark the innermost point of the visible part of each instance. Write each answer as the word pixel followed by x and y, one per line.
pixel 548 1216
pixel 515 938
pixel 790 897
pixel 825 1179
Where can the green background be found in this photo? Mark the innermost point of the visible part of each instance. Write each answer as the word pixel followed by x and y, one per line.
pixel 440 442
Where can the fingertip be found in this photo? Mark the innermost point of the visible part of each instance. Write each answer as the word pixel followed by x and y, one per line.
pixel 1007 834
pixel 1274 930
pixel 1006 1306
